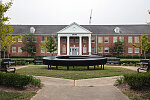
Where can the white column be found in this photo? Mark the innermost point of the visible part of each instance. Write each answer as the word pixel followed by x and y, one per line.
pixel 67 45
pixel 80 44
pixel 89 45
pixel 58 45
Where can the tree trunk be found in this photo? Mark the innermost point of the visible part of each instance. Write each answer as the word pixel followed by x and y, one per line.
pixel 8 52
pixel 144 54
pixel 4 54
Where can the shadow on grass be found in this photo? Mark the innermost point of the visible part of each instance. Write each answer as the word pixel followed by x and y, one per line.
pixel 71 68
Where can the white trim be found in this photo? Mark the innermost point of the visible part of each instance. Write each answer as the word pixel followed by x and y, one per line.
pixel 78 29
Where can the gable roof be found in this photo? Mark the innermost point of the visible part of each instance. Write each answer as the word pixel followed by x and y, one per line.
pixel 74 28
pixel 95 29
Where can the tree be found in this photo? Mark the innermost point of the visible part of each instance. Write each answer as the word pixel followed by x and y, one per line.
pixel 118 48
pixel 99 48
pixel 44 47
pixel 5 29
pixel 50 44
pixel 144 44
pixel 7 41
pixel 29 44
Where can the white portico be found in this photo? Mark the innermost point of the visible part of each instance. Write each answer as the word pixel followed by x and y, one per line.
pixel 74 30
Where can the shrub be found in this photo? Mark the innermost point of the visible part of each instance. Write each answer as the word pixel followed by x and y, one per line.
pixel 35 81
pixel 137 80
pixel 119 81
pixel 16 80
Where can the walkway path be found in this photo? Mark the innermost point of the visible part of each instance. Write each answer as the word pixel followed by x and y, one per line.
pixel 85 89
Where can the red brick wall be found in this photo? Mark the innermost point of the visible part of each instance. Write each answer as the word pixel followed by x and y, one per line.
pixel 95 44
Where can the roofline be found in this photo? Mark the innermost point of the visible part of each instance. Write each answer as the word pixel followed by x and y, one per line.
pixel 88 25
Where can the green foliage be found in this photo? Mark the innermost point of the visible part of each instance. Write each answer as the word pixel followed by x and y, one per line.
pixel 144 44
pixel 118 49
pixel 29 44
pixel 16 80
pixel 34 81
pixel 99 47
pixel 21 62
pixel 50 44
pixel 5 29
pixel 137 80
pixel 119 81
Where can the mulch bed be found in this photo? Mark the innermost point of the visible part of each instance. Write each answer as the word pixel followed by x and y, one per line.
pixel 143 93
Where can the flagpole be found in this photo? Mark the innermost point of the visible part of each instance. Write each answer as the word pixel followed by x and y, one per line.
pixel 90 17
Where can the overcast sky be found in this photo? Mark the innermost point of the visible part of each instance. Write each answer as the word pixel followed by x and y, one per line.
pixel 64 12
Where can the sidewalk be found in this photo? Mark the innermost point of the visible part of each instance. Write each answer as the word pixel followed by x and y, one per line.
pixel 85 89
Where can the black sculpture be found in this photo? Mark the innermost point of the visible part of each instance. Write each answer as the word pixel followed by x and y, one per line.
pixel 74 61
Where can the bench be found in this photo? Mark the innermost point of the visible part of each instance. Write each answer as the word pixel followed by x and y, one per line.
pixel 143 62
pixel 37 60
pixel 145 68
pixel 5 65
pixel 114 61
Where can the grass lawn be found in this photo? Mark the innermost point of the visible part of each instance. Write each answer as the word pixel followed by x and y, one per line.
pixel 79 72
pixel 16 95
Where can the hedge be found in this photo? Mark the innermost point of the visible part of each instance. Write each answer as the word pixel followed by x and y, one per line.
pixel 137 80
pixel 17 80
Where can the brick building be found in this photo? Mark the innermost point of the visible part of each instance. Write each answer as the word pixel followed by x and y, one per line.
pixel 75 39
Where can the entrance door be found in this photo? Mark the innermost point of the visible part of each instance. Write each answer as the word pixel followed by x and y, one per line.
pixel 74 51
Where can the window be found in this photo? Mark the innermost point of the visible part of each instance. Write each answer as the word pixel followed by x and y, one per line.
pixel 34 39
pixel 55 51
pixel 47 38
pixel 42 50
pixel 114 39
pixel 34 49
pixel 136 39
pixel 19 39
pixel 77 39
pixel 129 49
pixel 136 50
pixel 129 39
pixel 84 39
pixel 13 49
pixel 64 49
pixel 42 39
pixel 84 49
pixel 121 38
pixel 63 40
pixel 93 49
pixel 100 39
pixel 55 38
pixel 19 50
pixel 106 50
pixel 93 39
pixel 72 40
pixel 106 39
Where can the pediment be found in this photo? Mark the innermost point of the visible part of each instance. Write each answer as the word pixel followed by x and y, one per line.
pixel 74 28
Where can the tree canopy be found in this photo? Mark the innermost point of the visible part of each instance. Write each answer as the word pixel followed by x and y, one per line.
pixel 29 44
pixel 50 45
pixel 144 44
pixel 119 48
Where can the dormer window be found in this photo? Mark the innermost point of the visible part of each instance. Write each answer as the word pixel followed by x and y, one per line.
pixel 32 30
pixel 117 30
